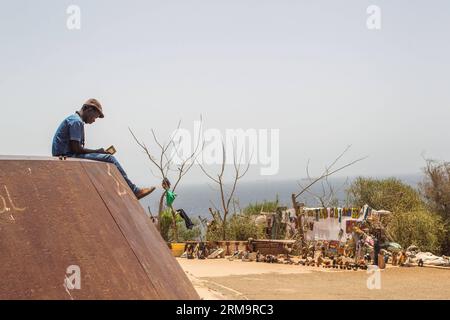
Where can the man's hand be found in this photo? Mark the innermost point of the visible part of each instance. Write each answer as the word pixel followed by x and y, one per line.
pixel 77 148
pixel 102 151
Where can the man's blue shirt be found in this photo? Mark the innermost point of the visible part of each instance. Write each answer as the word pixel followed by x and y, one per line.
pixel 72 128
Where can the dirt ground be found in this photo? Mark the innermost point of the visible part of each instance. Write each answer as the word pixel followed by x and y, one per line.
pixel 224 279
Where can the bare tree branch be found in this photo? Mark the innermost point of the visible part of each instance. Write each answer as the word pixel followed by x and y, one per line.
pixel 328 173
pixel 226 197
pixel 164 162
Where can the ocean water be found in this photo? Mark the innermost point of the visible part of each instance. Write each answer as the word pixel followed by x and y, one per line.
pixel 196 199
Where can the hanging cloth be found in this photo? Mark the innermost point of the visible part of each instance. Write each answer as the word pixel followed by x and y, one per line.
pixel 187 220
pixel 367 209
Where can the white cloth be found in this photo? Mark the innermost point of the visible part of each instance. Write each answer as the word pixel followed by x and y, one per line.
pixel 328 229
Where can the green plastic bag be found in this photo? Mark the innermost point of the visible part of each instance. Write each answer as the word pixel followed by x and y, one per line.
pixel 170 197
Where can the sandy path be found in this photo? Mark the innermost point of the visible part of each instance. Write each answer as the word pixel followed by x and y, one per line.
pixel 222 279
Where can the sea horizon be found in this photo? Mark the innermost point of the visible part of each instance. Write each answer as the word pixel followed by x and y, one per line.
pixel 197 198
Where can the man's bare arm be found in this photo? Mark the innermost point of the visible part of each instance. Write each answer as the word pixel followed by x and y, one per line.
pixel 76 148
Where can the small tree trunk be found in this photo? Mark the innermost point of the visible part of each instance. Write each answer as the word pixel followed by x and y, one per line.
pixel 299 219
pixel 160 210
pixel 174 224
pixel 224 226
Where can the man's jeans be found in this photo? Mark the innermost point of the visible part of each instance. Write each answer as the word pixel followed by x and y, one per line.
pixel 111 159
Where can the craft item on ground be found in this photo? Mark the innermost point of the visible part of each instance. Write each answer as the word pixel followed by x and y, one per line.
pixel 216 253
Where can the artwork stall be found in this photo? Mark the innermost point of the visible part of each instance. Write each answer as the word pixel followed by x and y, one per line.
pixel 347 232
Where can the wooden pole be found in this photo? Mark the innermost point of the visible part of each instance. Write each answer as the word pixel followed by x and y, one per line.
pixel 299 223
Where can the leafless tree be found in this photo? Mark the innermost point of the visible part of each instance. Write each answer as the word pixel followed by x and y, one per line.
pixel 226 196
pixel 167 168
pixel 323 177
pixel 327 195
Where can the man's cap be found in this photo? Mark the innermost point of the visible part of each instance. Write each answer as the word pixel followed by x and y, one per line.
pixel 94 103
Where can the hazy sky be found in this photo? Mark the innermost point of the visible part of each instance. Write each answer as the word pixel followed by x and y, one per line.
pixel 309 68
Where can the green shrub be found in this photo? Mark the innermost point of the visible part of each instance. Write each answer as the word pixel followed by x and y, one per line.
pixel 387 194
pixel 421 228
pixel 243 226
pixel 240 227
pixel 436 190
pixel 214 233
pixel 184 234
pixel 165 224
pixel 266 206
pixel 410 223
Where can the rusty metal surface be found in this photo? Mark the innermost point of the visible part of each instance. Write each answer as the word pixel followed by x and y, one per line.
pixel 39 158
pixel 166 275
pixel 54 215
